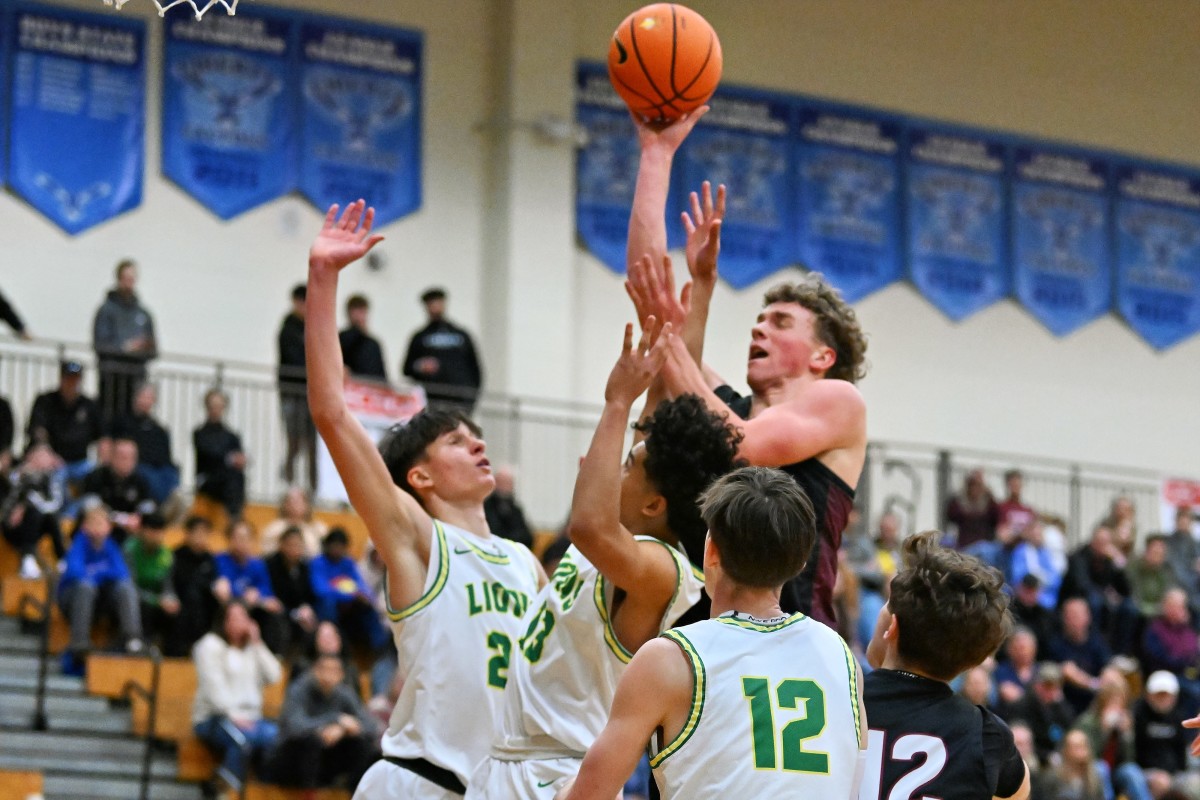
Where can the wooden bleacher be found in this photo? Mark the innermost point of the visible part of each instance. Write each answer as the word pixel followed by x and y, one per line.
pixel 20 785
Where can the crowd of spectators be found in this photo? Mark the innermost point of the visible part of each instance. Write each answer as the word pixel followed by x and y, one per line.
pixel 1104 662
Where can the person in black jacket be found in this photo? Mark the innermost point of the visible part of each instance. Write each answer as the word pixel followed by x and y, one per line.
pixel 10 316
pixel 946 614
pixel 290 580
pixel 361 352
pixel 220 461
pixel 504 514
pixel 155 463
pixel 1096 572
pixel 67 420
pixel 193 572
pixel 121 487
pixel 293 392
pixel 441 357
pixel 124 340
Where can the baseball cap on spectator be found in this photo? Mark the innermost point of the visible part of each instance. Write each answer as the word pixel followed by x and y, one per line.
pixel 1162 681
pixel 1049 672
pixel 71 368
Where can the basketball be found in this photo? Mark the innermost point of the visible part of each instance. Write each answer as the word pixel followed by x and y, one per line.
pixel 664 60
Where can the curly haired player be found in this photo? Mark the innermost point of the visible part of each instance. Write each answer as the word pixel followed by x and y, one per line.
pixel 624 580
pixel 947 613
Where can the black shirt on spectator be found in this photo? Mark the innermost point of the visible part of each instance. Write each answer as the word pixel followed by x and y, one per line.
pixel 1161 740
pixel 291 583
pixel 362 354
pixel 153 440
pixel 69 428
pixel 505 518
pixel 6 426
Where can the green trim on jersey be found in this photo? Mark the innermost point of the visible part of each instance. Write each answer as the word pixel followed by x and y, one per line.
pixel 746 624
pixel 852 669
pixel 491 558
pixel 439 582
pixel 601 598
pixel 699 686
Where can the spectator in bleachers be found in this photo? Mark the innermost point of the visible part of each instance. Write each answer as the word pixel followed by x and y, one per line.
pixel 1076 776
pixel 361 352
pixel 153 441
pixel 1015 675
pixel 1032 557
pixel 343 597
pixel 974 514
pixel 68 421
pixel 150 564
pixel 442 358
pixel 874 564
pixel 1161 741
pixel 233 666
pixel 290 579
pixel 293 392
pixel 1171 643
pixel 505 516
pixel 96 580
pixel 1081 651
pixel 1013 513
pixel 1023 740
pixel 30 499
pixel 977 687
pixel 295 510
pixel 220 460
pixel 1108 725
pixel 193 573
pixel 243 576
pixel 328 642
pixel 325 734
pixel 1096 573
pixel 7 434
pixel 383 671
pixel 1183 556
pixel 1122 521
pixel 123 337
pixel 1028 611
pixel 120 487
pixel 1045 710
pixel 1150 576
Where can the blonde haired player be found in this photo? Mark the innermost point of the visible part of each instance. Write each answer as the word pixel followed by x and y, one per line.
pixel 753 702
pixel 456 594
pixel 624 580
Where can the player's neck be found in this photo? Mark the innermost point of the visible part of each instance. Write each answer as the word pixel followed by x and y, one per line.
pixel 467 515
pixel 780 391
pixel 894 662
pixel 754 602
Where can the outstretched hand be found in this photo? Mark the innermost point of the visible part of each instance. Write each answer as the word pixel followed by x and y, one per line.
pixel 1194 722
pixel 668 135
pixel 703 228
pixel 343 240
pixel 636 368
pixel 651 287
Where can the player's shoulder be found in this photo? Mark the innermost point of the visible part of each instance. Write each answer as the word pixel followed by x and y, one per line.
pixel 835 392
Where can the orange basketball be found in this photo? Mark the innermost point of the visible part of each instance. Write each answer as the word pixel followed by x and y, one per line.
pixel 664 60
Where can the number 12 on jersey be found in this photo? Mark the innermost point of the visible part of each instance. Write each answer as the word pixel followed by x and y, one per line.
pixel 906 748
pixel 789 694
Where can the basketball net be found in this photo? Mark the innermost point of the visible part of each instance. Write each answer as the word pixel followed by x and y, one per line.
pixel 198 6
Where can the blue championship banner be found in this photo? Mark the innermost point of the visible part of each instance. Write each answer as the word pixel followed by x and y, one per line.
pixel 361 116
pixel 744 142
pixel 1158 252
pixel 606 171
pixel 848 180
pixel 957 219
pixel 1061 253
pixel 77 130
pixel 5 49
pixel 229 109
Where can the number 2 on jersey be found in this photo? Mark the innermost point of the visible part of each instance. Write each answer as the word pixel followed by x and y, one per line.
pixel 790 693
pixel 906 749
pixel 498 664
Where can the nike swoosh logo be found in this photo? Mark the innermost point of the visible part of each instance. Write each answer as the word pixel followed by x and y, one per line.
pixel 544 784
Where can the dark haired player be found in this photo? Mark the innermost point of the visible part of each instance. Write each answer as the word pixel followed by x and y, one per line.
pixel 947 613
pixel 624 580
pixel 753 703
pixel 456 594
pixel 805 414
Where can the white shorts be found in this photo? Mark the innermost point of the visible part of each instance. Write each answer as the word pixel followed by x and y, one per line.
pixel 386 781
pixel 535 779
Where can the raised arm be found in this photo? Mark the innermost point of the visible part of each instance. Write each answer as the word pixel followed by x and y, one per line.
pixel 830 415
pixel 655 692
pixel 645 572
pixel 399 527
pixel 703 226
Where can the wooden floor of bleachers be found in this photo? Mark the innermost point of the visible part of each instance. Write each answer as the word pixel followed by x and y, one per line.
pixel 20 785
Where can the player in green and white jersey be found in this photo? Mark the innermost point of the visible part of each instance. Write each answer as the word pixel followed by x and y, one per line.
pixel 624 580
pixel 753 702
pixel 456 594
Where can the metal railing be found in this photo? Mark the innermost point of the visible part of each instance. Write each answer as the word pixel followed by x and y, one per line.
pixel 129 691
pixel 41 608
pixel 544 438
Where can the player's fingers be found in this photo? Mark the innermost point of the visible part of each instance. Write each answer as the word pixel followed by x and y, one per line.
pixel 649 334
pixel 374 240
pixel 706 189
pixel 368 221
pixel 714 234
pixel 331 216
pixel 628 345
pixel 685 296
pixel 721 201
pixel 1194 722
pixel 697 208
pixel 668 276
pixel 689 227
